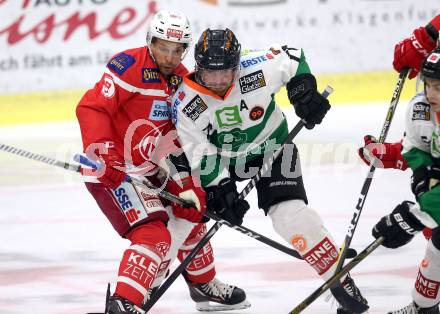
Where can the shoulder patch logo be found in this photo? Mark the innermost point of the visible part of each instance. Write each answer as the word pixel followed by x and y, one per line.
pixel 421 111
pixel 252 81
pixel 195 108
pixel 150 75
pixel 121 63
pixel 108 86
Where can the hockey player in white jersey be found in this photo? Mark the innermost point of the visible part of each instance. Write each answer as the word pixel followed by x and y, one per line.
pixel 421 151
pixel 228 123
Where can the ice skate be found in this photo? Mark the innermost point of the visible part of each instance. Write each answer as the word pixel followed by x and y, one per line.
pixel 415 309
pixel 118 305
pixel 223 296
pixel 349 298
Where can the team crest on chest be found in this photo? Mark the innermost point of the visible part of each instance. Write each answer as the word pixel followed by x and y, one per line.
pixel 228 117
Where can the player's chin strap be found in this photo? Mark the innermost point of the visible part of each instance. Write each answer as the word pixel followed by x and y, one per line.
pixel 360 204
pixel 173 276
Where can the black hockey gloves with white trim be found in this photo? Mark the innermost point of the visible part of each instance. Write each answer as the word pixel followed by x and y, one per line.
pixel 222 199
pixel 424 178
pixel 309 104
pixel 399 227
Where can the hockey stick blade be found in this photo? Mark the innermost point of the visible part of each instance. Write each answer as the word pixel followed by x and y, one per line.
pixel 335 278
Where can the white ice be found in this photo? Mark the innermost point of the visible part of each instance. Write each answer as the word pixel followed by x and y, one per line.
pixel 57 251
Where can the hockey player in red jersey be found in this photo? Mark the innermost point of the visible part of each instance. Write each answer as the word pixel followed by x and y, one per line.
pixel 125 124
pixel 416 54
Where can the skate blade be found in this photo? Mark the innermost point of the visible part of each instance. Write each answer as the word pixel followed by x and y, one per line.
pixel 214 307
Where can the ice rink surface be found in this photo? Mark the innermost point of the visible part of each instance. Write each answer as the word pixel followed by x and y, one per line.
pixel 57 251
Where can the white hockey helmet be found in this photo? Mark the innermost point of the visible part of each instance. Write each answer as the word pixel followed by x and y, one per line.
pixel 170 26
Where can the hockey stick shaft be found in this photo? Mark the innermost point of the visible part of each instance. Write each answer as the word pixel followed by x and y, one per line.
pixel 167 195
pixel 337 276
pixel 176 273
pixel 242 229
pixel 38 157
pixel 367 183
pixel 292 134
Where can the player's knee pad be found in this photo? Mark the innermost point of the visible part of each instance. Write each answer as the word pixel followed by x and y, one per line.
pixel 179 230
pixel 293 220
pixel 426 292
pixel 302 227
pixel 152 234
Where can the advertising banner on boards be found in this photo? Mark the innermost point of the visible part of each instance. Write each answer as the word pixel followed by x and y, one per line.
pixel 65 44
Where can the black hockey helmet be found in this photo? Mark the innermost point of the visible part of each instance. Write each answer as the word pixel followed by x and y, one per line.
pixel 217 49
pixel 431 65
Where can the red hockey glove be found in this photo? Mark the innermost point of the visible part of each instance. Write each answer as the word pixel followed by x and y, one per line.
pixel 113 172
pixel 410 52
pixel 187 190
pixel 385 155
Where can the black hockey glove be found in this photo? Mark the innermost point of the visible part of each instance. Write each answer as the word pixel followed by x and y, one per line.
pixel 399 227
pixel 222 199
pixel 424 178
pixel 309 104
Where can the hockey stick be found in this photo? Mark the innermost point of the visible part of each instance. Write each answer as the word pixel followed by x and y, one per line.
pixel 178 271
pixel 242 229
pixel 165 194
pixel 85 161
pixel 367 183
pixel 301 123
pixel 335 278
pixel 171 197
pixel 40 158
pixel 169 281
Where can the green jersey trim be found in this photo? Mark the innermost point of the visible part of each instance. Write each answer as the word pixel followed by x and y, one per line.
pixel 417 158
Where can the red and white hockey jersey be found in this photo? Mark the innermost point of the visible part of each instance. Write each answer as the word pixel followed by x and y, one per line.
pixel 129 106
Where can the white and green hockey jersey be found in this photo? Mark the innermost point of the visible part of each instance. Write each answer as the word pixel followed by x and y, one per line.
pixel 217 132
pixel 421 144
pixel 421 147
